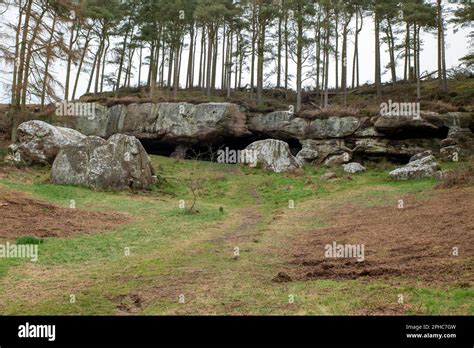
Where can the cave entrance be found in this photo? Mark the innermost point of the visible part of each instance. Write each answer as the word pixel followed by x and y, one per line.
pixel 207 151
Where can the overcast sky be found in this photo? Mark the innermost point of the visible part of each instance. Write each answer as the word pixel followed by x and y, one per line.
pixel 457 46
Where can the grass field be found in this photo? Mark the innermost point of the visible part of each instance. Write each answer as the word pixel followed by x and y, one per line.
pixel 162 256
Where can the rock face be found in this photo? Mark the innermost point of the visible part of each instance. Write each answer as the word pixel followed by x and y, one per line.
pixel 274 155
pixel 353 167
pixel 394 147
pixel 459 144
pixel 39 142
pixel 120 162
pixel 283 124
pixel 324 139
pixel 167 122
pixel 424 167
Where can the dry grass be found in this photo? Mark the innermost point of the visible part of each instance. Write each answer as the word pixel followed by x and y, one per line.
pixel 329 111
pixel 462 177
pixel 439 106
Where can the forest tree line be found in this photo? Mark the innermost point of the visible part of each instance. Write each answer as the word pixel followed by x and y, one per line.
pixel 254 38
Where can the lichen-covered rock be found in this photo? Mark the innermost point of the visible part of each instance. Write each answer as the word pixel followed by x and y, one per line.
pixel 451 153
pixel 421 155
pixel 338 159
pixel 353 167
pixel 321 151
pixel 285 124
pixel 280 124
pixel 425 167
pixel 306 155
pixel 168 122
pixel 394 147
pixel 39 142
pixel 401 124
pixel 120 162
pixel 274 155
pixel 332 127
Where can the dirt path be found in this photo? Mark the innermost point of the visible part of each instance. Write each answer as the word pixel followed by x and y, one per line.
pixel 250 218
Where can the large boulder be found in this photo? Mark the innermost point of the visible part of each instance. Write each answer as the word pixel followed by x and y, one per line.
pixel 39 142
pixel 425 167
pixel 120 162
pixel 274 155
pixel 353 167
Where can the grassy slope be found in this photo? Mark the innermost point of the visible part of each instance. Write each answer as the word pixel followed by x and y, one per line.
pixel 193 254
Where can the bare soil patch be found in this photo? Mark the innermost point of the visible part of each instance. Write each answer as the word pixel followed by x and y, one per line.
pixel 23 216
pixel 415 242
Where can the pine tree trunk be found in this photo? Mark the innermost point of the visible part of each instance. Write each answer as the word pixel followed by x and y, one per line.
pixel 260 49
pixel 356 47
pixel 441 49
pixel 254 39
pixel 170 67
pixel 214 63
pixel 140 65
pixel 28 58
pixel 72 40
pixel 391 50
pixel 318 54
pixel 190 58
pixel 122 58
pixel 286 52
pixel 104 61
pixel 279 52
pixel 201 60
pixel 299 59
pixel 378 82
pixel 210 41
pixel 17 52
pixel 336 53
pixel 21 61
pixel 46 64
pixel 344 64
pixel 81 62
pixel 224 57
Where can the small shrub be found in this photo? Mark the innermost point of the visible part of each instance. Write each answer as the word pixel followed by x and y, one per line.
pixel 221 209
pixel 28 240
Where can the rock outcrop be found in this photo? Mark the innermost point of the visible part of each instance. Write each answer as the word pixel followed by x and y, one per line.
pixel 39 142
pixel 120 162
pixel 274 155
pixel 324 139
pixel 284 124
pixel 167 122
